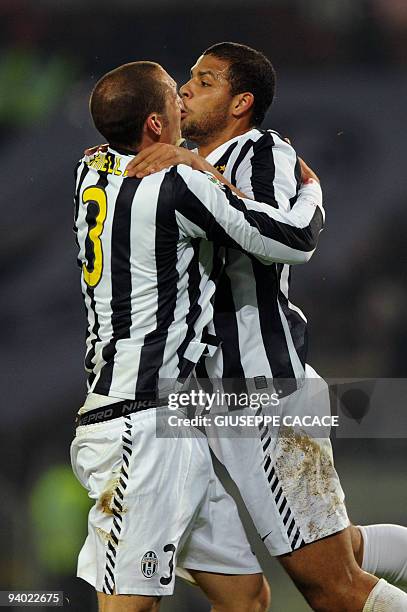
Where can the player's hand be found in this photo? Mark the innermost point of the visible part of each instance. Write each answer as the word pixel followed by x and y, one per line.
pixel 98 149
pixel 307 174
pixel 158 156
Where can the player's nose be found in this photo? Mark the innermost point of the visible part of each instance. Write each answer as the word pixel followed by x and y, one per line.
pixel 185 91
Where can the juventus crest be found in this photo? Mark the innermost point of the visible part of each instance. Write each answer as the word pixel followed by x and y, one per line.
pixel 149 564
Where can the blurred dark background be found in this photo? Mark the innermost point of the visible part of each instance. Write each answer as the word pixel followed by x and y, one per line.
pixel 342 96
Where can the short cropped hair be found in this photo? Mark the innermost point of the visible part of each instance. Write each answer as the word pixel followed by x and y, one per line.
pixel 122 100
pixel 249 70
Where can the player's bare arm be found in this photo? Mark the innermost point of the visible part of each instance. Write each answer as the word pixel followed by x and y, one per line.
pixel 161 155
pixel 307 174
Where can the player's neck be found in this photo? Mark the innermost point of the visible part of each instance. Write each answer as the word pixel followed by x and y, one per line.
pixel 124 149
pixel 205 148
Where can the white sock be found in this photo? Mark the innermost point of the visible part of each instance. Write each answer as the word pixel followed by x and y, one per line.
pixel 385 551
pixel 386 598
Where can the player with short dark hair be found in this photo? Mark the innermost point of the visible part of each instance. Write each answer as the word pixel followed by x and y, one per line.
pixel 264 337
pixel 118 93
pixel 248 70
pixel 158 503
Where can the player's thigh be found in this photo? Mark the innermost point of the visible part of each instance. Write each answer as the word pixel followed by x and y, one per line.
pixel 127 603
pixel 237 593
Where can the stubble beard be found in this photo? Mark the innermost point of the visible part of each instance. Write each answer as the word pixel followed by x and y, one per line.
pixel 205 128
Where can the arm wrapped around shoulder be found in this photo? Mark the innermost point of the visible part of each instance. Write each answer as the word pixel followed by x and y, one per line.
pixel 206 209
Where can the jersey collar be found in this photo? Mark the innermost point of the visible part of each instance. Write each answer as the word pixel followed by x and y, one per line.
pixel 217 153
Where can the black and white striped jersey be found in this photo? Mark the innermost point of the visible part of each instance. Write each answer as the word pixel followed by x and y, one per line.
pixel 262 332
pixel 146 281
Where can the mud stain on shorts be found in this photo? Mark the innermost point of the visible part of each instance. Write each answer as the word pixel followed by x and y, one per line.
pixel 310 482
pixel 106 537
pixel 106 500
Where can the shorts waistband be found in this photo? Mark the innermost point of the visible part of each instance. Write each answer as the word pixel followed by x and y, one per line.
pixel 117 410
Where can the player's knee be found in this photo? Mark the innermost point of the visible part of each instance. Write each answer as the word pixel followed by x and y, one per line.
pixel 345 594
pixel 254 598
pixel 321 600
pixel 357 544
pixel 127 603
pixel 147 606
pixel 153 607
pixel 258 600
pixel 264 597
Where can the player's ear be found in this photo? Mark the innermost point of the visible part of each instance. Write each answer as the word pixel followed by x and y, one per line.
pixel 154 125
pixel 242 103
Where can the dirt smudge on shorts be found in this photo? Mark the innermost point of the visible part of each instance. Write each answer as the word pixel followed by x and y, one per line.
pixel 301 457
pixel 106 500
pixel 307 474
pixel 106 537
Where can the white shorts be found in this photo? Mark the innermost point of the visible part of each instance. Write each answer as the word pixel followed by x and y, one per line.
pixel 286 477
pixel 158 504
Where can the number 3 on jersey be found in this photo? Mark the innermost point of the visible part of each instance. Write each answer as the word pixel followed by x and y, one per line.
pixel 95 217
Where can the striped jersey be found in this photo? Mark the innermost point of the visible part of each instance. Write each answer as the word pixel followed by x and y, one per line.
pixel 263 334
pixel 148 273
